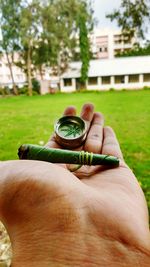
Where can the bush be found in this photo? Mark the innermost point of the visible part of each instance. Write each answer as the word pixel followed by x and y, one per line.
pixel 2 91
pixel 35 90
pixel 35 86
pixel 23 90
pixel 146 88
pixel 5 91
pixel 35 93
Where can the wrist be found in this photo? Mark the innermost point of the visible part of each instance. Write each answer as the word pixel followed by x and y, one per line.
pixel 77 249
pixel 51 237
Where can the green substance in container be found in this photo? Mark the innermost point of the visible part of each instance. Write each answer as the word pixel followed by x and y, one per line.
pixel 70 131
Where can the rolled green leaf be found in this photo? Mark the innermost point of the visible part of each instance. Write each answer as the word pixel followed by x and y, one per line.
pixel 35 152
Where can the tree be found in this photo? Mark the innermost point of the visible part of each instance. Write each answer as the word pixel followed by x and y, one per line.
pixel 84 40
pixel 62 23
pixel 46 33
pixel 137 50
pixel 9 12
pixel 132 16
pixel 29 33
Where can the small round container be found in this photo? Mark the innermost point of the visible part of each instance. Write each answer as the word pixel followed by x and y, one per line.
pixel 70 131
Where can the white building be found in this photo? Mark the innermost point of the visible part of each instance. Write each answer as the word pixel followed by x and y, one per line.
pixel 117 73
pixel 19 76
pixel 106 43
pixel 5 76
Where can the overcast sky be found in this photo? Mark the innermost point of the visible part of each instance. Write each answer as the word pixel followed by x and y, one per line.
pixel 103 7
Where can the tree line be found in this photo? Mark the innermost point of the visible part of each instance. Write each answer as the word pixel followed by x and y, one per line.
pixel 45 33
pixel 50 33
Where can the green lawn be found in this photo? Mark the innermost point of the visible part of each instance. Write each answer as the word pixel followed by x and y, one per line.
pixel 30 120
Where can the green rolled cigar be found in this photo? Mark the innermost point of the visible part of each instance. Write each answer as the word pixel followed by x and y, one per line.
pixel 35 152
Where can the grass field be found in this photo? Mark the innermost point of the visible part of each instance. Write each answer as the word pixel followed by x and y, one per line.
pixel 31 119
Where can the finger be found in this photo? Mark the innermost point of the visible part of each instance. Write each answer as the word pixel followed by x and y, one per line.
pixel 52 143
pixel 69 111
pixel 110 143
pixel 87 113
pixel 95 136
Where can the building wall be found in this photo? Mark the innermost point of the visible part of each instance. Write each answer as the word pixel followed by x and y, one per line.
pixel 19 76
pixel 5 76
pixel 117 82
pixel 68 88
pixel 106 43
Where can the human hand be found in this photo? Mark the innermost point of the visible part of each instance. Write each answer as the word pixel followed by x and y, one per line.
pixel 124 203
pixel 93 143
pixel 99 220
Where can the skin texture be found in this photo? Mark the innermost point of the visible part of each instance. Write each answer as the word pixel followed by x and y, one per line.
pixel 94 217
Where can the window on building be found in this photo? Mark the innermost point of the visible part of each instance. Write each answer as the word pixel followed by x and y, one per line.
pixel 146 77
pixel 103 49
pixel 126 41
pixel 8 77
pixel 0 64
pixel 118 41
pixel 106 80
pixel 134 78
pixel 92 81
pixel 119 79
pixel 67 82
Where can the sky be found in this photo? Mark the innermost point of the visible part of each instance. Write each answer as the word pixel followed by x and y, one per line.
pixel 103 7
